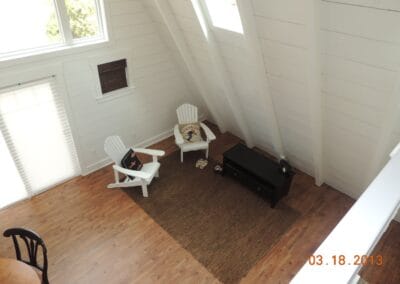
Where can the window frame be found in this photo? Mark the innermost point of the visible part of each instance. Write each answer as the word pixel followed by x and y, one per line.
pixel 114 56
pixel 67 40
pixel 217 24
pixel 53 76
pixel 113 68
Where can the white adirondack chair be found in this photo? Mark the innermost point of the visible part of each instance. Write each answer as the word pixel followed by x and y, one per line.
pixel 187 113
pixel 115 149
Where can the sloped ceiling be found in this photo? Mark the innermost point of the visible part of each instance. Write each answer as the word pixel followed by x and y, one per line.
pixel 329 80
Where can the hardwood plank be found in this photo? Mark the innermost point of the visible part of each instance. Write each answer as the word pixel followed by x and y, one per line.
pixel 389 248
pixel 98 235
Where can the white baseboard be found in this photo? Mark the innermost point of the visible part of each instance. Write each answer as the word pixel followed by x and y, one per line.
pixel 202 117
pixel 145 143
pixel 155 139
pixel 107 161
pixel 96 166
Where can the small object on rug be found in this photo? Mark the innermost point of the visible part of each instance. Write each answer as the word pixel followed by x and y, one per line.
pixel 218 169
pixel 201 163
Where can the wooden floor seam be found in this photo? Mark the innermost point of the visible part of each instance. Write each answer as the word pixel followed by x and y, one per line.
pixel 97 235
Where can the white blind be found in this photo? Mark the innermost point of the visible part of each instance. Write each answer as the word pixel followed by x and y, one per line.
pixel 12 188
pixel 37 134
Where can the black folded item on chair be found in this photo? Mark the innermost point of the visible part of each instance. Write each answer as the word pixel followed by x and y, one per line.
pixel 131 162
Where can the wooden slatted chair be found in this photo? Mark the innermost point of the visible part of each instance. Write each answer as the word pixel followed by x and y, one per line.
pixel 32 241
pixel 116 149
pixel 188 113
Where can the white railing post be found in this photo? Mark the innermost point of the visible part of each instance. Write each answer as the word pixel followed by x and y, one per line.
pixel 358 232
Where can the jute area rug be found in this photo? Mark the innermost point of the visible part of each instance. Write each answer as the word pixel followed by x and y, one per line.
pixel 225 226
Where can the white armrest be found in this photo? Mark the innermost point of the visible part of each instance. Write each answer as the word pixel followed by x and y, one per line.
pixel 210 135
pixel 178 135
pixel 133 173
pixel 151 152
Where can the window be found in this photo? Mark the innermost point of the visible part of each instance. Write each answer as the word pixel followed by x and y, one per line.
pixel 83 18
pixel 13 180
pixel 31 26
pixel 35 140
pixel 112 75
pixel 225 15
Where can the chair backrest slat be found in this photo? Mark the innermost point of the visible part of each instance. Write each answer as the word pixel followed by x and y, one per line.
pixel 187 113
pixel 17 250
pixel 115 149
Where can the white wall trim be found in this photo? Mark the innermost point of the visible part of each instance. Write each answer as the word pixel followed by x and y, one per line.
pixel 155 139
pixel 358 231
pixel 47 71
pixel 96 166
pixel 103 40
pixel 388 126
pixel 144 144
pixel 165 11
pixel 224 79
pixel 113 56
pixel 254 45
pixel 314 87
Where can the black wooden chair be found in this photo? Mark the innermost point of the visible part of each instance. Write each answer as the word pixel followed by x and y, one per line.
pixel 32 242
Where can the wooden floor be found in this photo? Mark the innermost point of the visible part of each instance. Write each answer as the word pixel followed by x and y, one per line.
pixel 97 235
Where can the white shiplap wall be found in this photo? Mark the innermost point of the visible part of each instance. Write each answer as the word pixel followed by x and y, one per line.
pixel 190 28
pixel 146 113
pixel 282 31
pixel 361 55
pixel 359 59
pixel 284 79
pixel 240 67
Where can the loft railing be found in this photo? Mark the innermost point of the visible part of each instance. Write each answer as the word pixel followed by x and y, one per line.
pixel 340 257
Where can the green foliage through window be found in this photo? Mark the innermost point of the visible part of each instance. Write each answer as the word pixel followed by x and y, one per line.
pixel 52 29
pixel 82 17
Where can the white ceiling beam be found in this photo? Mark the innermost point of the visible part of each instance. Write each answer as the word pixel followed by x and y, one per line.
pixel 254 46
pixel 314 86
pixel 164 9
pixel 224 80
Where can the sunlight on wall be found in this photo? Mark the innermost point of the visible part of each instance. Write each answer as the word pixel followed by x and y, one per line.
pixel 225 15
pixel 200 17
pixel 23 24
